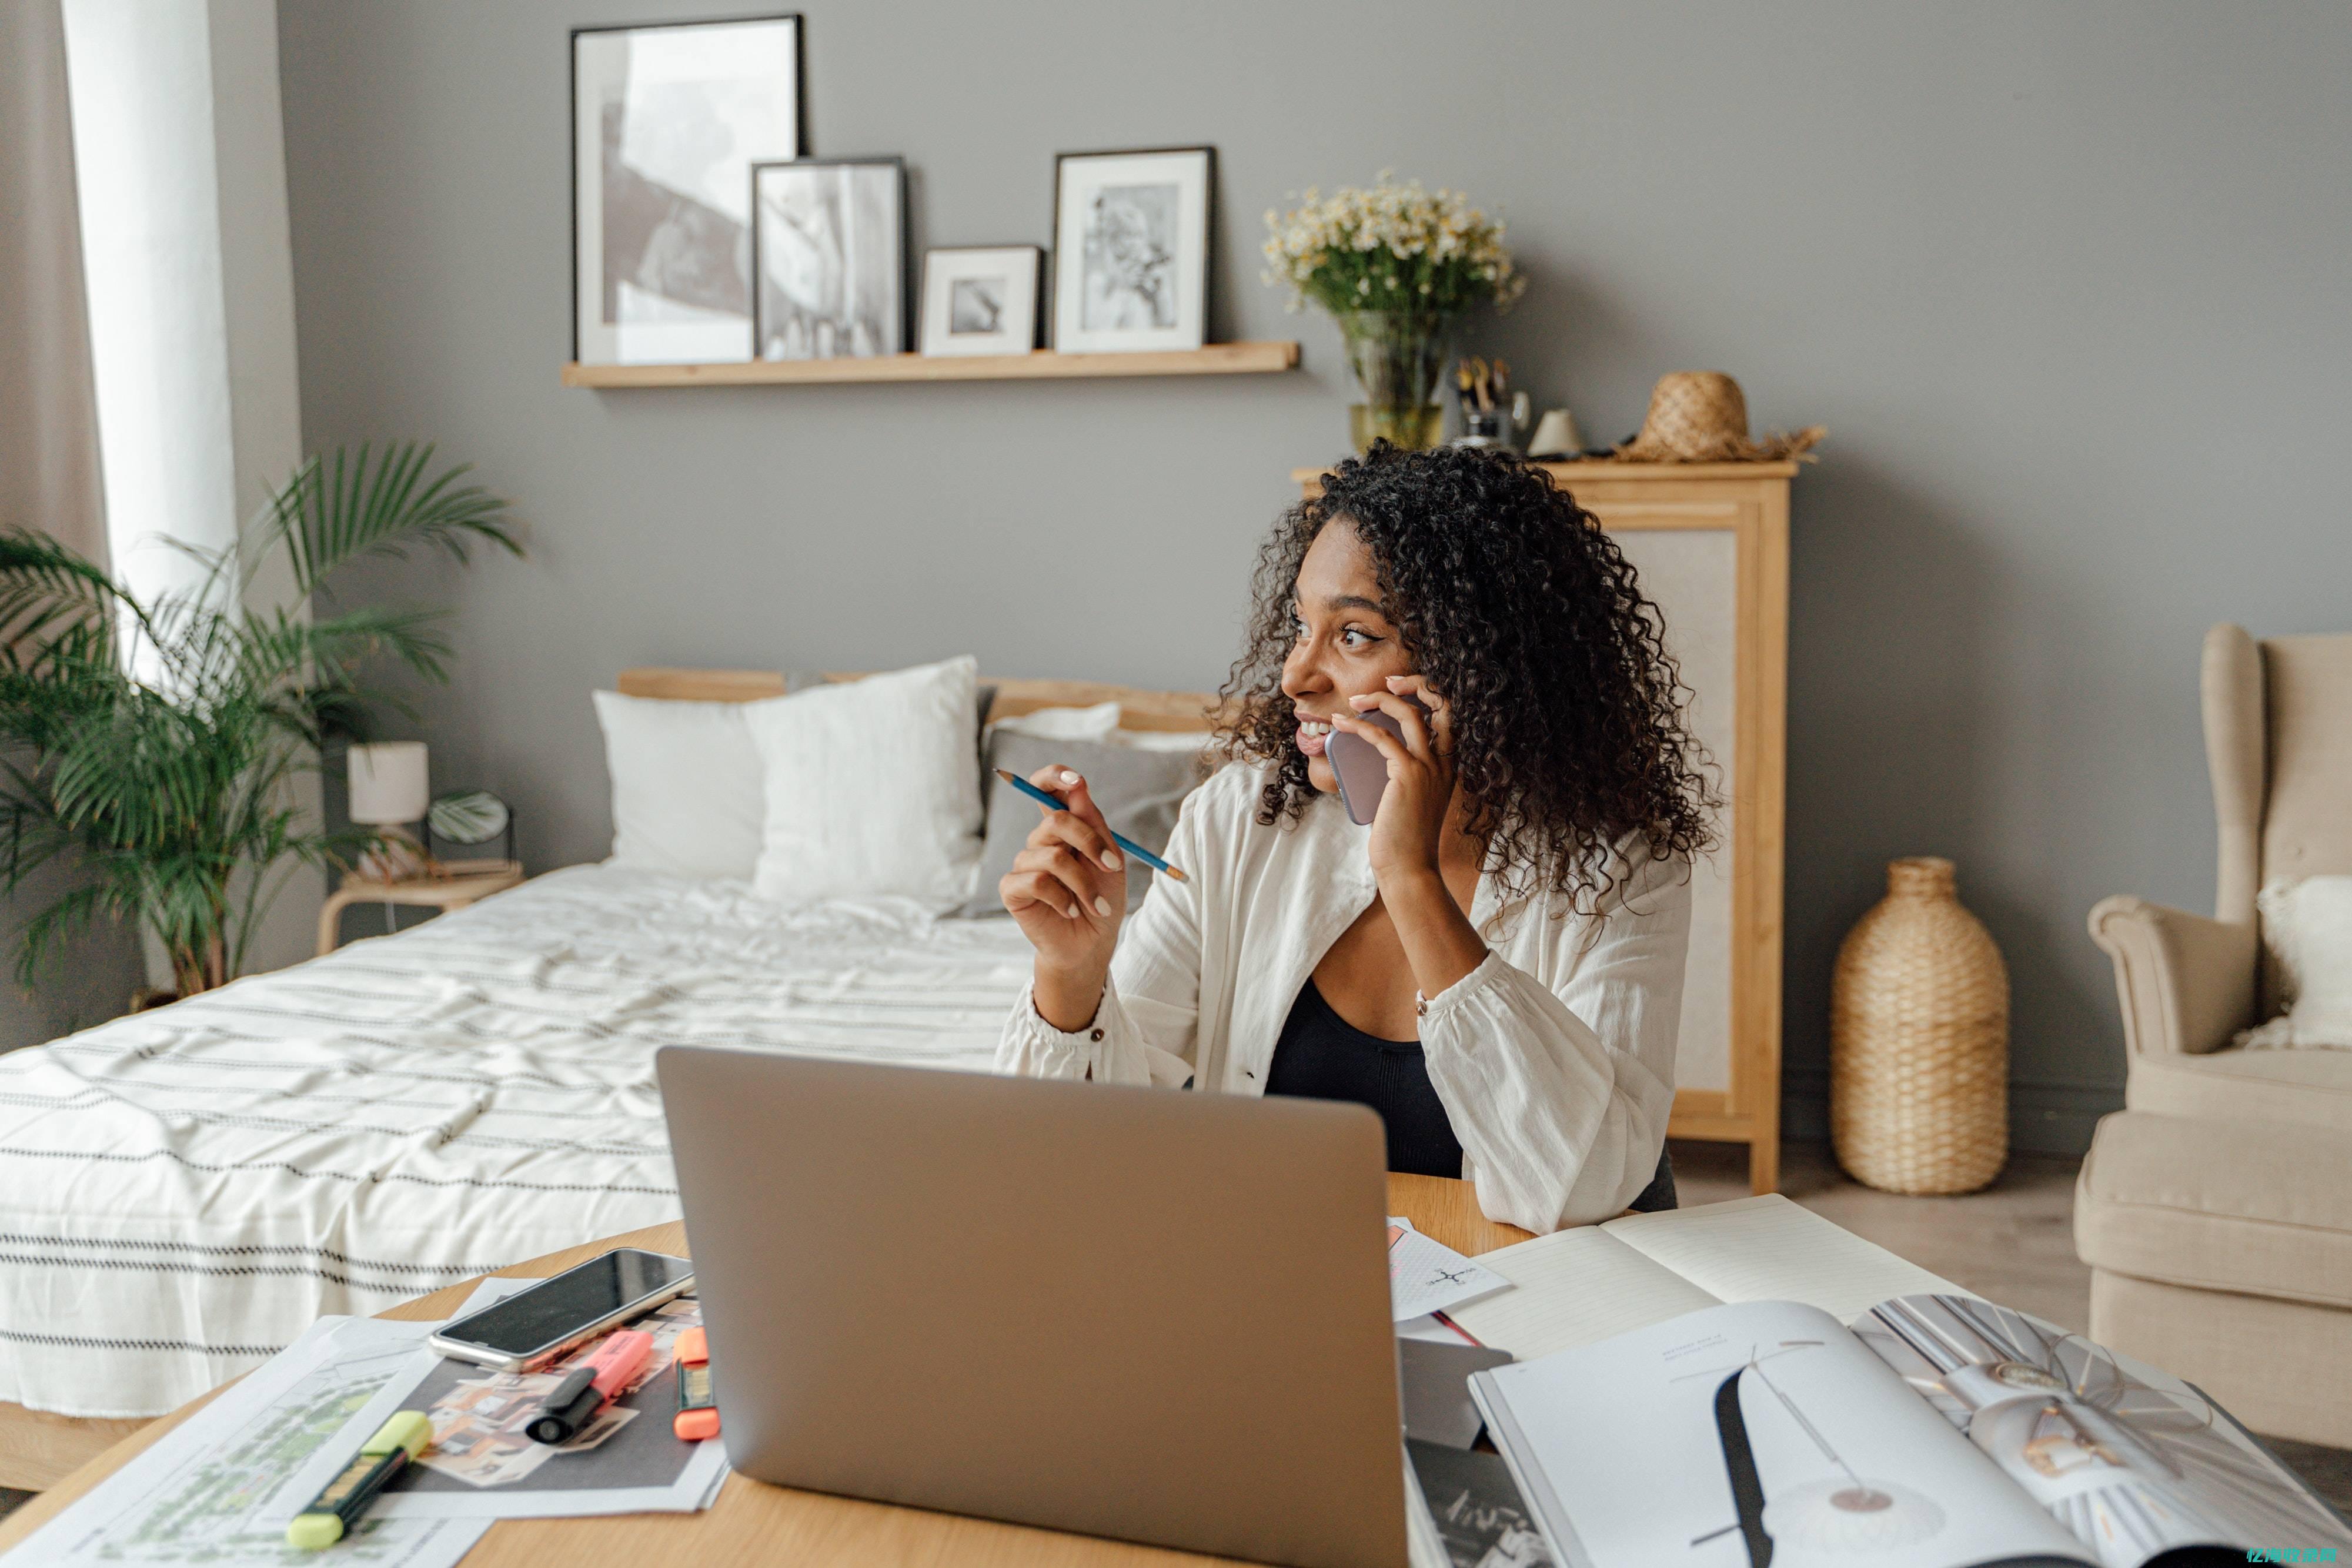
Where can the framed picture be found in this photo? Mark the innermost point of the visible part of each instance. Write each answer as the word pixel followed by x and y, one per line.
pixel 829 258
pixel 667 121
pixel 1131 249
pixel 980 300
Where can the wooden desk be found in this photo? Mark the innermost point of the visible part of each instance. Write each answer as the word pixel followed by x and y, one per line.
pixel 753 1523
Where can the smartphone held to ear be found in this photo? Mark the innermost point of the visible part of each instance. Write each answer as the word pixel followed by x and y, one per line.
pixel 1357 763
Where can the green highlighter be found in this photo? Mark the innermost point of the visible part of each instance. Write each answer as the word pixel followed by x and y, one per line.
pixel 382 1457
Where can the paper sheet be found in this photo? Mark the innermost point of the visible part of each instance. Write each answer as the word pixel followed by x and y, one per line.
pixel 1426 1276
pixel 209 1492
pixel 1767 1249
pixel 1575 1287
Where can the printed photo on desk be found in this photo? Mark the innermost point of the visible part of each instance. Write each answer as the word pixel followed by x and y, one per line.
pixel 627 1459
pixel 479 1417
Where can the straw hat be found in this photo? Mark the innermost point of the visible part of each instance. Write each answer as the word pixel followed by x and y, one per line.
pixel 1699 416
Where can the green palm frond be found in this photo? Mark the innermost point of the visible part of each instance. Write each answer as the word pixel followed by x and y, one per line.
pixel 48 592
pixel 338 510
pixel 342 641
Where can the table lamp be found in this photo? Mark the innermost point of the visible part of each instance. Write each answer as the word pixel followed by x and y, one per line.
pixel 389 790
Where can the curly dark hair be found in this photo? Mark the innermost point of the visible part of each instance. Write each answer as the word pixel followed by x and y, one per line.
pixel 1571 724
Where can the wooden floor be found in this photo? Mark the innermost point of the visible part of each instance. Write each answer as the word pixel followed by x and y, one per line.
pixel 2012 1243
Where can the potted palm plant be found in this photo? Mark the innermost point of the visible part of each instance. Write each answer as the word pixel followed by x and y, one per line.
pixel 157 740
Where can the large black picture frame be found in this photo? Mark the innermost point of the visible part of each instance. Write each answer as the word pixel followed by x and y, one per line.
pixel 599 343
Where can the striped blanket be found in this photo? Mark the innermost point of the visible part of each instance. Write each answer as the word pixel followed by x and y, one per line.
pixel 184 1191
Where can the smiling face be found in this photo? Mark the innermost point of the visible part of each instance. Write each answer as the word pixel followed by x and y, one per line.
pixel 1346 646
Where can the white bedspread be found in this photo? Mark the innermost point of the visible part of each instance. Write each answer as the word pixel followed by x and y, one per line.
pixel 182 1192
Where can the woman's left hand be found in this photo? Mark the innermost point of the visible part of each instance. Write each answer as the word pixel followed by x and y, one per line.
pixel 1409 825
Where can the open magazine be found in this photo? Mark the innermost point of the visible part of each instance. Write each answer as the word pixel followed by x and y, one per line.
pixel 1770 1412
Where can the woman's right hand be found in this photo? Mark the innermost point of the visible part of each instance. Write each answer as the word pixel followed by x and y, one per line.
pixel 1068 889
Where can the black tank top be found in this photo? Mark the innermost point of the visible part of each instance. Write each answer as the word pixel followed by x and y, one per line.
pixel 1322 1056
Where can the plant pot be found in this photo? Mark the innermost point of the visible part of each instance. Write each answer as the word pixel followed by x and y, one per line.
pixel 146 1001
pixel 1397 357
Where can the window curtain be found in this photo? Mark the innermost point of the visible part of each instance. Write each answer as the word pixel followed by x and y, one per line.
pixel 48 417
pixel 49 474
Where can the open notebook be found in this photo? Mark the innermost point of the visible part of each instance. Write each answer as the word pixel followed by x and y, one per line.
pixel 1578 1286
pixel 1747 1386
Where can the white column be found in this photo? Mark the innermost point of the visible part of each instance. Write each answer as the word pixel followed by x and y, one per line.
pixel 179 159
pixel 140 78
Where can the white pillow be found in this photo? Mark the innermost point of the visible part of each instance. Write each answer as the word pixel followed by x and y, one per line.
pixel 1093 723
pixel 872 788
pixel 685 785
pixel 2307 926
pixel 1162 739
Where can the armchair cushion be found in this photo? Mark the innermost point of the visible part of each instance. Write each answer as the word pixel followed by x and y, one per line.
pixel 2187 983
pixel 2304 1089
pixel 2253 1207
pixel 2307 928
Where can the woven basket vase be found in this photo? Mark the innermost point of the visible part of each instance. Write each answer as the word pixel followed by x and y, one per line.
pixel 1919 1041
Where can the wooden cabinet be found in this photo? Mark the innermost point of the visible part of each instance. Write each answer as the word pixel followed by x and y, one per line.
pixel 1711 544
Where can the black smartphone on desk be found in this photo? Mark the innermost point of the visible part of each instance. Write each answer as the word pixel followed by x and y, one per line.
pixel 537 1324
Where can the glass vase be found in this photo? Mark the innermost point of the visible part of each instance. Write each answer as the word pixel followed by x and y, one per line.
pixel 1397 356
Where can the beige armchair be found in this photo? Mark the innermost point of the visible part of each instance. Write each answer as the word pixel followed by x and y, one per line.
pixel 2215 1209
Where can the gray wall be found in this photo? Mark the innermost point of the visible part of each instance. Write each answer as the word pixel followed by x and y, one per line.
pixel 87 978
pixel 2067 283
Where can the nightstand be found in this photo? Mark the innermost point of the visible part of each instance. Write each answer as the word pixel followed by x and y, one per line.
pixel 465 882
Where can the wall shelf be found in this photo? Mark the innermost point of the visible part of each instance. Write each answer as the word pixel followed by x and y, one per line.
pixel 1214 360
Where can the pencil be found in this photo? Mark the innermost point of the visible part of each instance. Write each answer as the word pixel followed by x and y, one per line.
pixel 1046 797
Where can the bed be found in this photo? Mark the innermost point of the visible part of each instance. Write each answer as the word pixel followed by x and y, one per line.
pixel 181 1191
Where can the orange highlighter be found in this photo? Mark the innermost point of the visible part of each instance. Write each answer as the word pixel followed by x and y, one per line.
pixel 698 1405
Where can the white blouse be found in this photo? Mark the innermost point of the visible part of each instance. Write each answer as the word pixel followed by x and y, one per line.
pixel 1554 1057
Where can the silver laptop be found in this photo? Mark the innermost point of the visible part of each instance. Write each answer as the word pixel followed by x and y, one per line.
pixel 1132 1312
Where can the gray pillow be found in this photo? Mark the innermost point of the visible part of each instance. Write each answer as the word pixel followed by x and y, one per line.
pixel 1138 792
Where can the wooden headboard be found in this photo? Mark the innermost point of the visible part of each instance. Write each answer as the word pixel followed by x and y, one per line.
pixel 1138 707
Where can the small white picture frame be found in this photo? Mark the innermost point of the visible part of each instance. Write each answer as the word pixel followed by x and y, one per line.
pixel 980 299
pixel 1131 250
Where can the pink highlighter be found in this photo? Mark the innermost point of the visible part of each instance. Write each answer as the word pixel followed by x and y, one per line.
pixel 584 1389
pixel 1362 771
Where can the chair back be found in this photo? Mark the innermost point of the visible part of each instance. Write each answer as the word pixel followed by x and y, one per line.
pixel 2278 740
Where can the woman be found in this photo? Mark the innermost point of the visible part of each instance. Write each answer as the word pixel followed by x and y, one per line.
pixel 1496 964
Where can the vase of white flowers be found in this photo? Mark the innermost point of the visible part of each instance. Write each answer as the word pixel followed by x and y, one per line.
pixel 1397 356
pixel 1397 267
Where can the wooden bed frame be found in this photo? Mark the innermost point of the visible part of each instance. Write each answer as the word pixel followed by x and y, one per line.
pixel 1138 708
